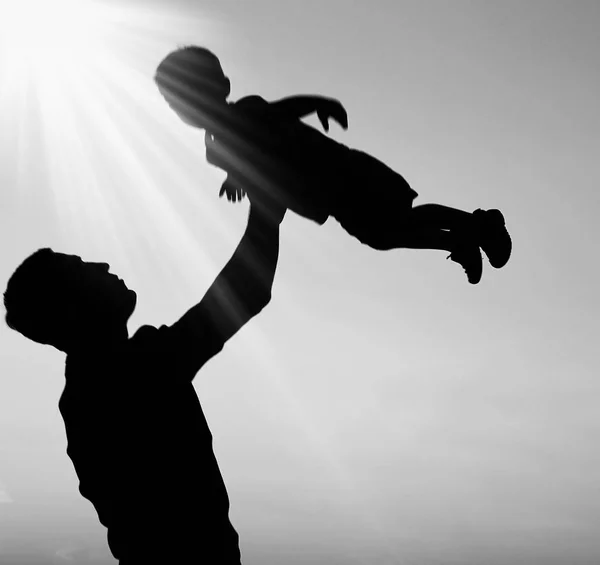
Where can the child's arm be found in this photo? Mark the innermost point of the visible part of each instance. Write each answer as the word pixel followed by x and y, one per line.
pixel 297 107
pixel 232 189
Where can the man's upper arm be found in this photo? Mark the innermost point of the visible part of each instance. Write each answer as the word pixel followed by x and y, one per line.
pixel 193 340
pixel 238 293
pixel 179 351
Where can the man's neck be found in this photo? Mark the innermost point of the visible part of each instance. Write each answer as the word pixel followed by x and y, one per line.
pixel 101 340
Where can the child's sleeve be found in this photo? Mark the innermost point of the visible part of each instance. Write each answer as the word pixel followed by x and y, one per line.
pixel 252 103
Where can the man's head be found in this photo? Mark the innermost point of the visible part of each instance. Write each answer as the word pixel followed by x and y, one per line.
pixel 193 83
pixel 59 300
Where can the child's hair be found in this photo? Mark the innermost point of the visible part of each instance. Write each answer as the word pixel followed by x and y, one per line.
pixel 191 70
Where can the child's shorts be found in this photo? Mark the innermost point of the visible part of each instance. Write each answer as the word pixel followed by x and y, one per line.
pixel 371 198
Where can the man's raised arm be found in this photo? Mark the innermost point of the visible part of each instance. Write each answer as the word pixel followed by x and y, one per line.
pixel 240 291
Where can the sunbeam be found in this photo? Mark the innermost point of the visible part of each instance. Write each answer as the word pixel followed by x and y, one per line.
pixel 53 36
pixel 113 151
pixel 77 90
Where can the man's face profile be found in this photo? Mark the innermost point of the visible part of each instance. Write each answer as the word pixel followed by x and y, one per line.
pixel 98 292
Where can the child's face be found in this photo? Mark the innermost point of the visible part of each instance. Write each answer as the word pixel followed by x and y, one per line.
pixel 198 104
pixel 195 113
pixel 183 110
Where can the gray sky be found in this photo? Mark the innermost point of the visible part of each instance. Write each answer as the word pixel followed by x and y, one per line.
pixel 381 410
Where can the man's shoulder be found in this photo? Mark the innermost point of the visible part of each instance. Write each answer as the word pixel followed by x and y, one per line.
pixel 151 351
pixel 145 332
pixel 175 349
pixel 151 336
pixel 148 340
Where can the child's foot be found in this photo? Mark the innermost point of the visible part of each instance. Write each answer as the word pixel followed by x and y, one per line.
pixel 468 255
pixel 493 236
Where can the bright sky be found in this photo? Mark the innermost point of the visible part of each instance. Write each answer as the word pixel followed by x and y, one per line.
pixel 381 409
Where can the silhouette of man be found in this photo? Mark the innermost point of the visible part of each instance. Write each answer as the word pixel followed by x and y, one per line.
pixel 136 433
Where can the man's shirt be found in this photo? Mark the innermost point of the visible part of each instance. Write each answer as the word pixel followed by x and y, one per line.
pixel 142 449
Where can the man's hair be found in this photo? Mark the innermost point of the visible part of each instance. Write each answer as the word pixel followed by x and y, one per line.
pixel 190 69
pixel 37 296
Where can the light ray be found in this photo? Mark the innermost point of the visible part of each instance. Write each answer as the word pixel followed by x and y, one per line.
pixel 73 59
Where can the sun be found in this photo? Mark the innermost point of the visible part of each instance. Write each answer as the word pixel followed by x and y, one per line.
pixel 50 33
pixel 84 130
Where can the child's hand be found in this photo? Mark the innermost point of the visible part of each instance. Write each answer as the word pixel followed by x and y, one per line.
pixel 330 108
pixel 234 192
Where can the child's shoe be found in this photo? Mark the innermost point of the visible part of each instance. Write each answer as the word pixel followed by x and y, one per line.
pixel 468 255
pixel 493 236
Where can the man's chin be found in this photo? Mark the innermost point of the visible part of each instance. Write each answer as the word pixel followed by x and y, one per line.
pixel 128 304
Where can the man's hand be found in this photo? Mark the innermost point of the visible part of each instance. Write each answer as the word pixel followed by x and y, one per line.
pixel 261 201
pixel 331 108
pixel 266 205
pixel 232 190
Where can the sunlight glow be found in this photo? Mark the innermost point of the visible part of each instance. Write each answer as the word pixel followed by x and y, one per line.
pixel 44 32
pixel 88 128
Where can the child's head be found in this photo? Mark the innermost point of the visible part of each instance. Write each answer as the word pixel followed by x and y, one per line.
pixel 193 83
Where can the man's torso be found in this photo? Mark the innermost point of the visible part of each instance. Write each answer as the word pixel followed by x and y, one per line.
pixel 142 449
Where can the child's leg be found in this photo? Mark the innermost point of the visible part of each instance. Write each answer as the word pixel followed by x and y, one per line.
pixel 417 237
pixel 429 226
pixel 414 236
pixel 441 217
pixel 486 227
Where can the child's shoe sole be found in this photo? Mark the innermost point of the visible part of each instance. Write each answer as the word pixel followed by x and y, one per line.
pixel 493 236
pixel 469 257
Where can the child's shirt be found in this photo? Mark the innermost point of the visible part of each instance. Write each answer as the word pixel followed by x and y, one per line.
pixel 262 149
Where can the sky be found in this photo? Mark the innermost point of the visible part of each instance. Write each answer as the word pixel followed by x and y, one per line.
pixel 381 410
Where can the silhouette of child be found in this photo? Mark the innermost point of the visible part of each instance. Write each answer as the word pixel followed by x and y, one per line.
pixel 267 150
